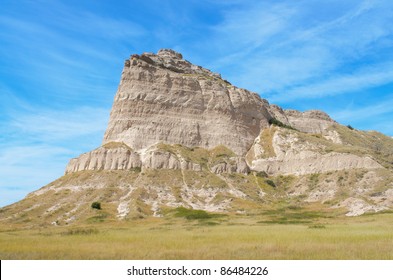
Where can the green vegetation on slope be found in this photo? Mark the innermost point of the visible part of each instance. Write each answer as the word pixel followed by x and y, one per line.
pixel 379 146
pixel 115 145
pixel 192 214
pixel 276 122
pixel 199 155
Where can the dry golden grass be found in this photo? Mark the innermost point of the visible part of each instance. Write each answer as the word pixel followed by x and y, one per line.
pixel 267 141
pixel 367 237
pixel 373 143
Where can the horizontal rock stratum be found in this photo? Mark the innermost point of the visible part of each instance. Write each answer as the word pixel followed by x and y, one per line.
pixel 181 136
pixel 164 98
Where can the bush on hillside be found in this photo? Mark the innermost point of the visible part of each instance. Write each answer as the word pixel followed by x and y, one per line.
pixel 96 205
pixel 276 122
pixel 270 183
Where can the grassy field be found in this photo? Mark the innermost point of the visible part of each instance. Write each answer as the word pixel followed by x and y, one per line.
pixel 198 235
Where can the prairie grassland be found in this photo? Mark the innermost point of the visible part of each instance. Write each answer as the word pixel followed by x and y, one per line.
pixel 237 237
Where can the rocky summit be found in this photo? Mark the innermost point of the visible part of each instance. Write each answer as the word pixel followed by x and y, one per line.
pixel 180 135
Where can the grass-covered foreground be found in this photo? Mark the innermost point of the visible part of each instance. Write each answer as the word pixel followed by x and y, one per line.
pixel 188 235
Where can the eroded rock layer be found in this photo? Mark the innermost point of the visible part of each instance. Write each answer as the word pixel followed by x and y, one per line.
pixel 164 98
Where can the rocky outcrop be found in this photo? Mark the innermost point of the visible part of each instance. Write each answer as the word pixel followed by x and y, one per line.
pixel 161 160
pixel 118 156
pixel 233 165
pixel 279 151
pixel 357 206
pixel 164 98
pixel 106 158
pixel 312 121
pixel 157 159
pixel 279 114
pixel 309 163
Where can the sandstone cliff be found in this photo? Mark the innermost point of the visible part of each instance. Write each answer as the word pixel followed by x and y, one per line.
pixel 164 98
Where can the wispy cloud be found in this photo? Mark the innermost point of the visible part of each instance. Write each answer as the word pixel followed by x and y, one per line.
pixel 369 112
pixel 74 51
pixel 361 80
pixel 373 116
pixel 299 47
pixel 25 123
pixel 30 167
pixel 60 17
pixel 36 144
pixel 60 125
pixel 250 28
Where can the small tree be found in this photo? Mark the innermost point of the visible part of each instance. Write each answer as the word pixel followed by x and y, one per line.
pixel 350 127
pixel 96 205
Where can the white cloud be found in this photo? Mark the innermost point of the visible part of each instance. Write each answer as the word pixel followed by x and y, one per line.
pixel 39 143
pixel 62 17
pixel 361 80
pixel 36 143
pixel 366 113
pixel 48 125
pixel 300 46
pixel 29 167
pixel 276 73
pixel 250 28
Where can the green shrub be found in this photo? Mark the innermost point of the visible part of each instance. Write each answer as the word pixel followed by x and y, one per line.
pixel 136 169
pixel 96 205
pixel 276 122
pixel 191 214
pixel 262 174
pixel 270 183
pixel 350 127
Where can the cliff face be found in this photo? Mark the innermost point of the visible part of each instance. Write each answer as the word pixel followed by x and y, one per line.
pixel 164 98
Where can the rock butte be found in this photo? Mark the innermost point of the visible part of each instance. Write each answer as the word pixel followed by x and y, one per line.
pixel 181 136
pixel 163 98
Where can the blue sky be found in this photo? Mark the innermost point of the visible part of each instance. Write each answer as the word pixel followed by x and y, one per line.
pixel 60 64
